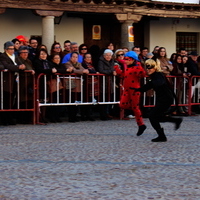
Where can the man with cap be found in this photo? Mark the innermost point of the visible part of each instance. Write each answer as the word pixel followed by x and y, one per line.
pixel 10 62
pixel 130 99
pixel 192 64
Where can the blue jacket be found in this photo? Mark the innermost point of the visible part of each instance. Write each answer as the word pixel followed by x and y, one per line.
pixel 67 58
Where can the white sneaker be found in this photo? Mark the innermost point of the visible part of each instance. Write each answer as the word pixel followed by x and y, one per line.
pixel 130 116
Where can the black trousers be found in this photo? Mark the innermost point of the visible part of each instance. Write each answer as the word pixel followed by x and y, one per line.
pixel 158 114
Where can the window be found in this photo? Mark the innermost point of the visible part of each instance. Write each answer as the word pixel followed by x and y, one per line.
pixel 187 41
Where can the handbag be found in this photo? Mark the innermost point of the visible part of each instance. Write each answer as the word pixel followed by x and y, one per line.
pixel 52 85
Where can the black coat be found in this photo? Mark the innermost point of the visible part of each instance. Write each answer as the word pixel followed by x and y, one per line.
pixel 192 67
pixel 105 67
pixel 60 68
pixel 9 77
pixel 42 66
pixel 159 83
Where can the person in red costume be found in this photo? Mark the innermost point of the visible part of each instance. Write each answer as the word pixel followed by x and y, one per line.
pixel 130 99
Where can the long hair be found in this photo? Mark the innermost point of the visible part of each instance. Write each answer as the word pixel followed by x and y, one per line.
pixel 159 50
pixel 53 46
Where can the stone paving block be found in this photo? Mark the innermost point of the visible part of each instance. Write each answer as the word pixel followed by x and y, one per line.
pixel 100 160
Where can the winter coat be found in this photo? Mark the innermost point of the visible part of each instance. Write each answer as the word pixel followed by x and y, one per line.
pixel 9 77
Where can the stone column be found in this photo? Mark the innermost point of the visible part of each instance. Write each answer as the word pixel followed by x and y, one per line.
pixel 48 31
pixel 127 20
pixel 125 36
pixel 48 26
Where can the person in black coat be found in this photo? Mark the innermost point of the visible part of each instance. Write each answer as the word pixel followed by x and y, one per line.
pixel 192 65
pixel 164 99
pixel 43 65
pixel 54 112
pixel 13 65
pixel 193 69
pixel 106 66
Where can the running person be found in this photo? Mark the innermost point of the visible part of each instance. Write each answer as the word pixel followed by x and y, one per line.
pixel 164 99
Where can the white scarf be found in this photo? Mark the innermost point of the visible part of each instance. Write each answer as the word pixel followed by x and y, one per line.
pixel 12 57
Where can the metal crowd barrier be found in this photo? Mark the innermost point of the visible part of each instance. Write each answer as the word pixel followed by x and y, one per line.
pixel 92 89
pixel 188 98
pixel 76 90
pixel 17 92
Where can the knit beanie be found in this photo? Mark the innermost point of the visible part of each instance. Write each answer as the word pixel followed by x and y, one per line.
pixel 8 44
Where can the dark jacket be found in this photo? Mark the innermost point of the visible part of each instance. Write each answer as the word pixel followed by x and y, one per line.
pixel 9 77
pixel 159 83
pixel 60 68
pixel 90 67
pixel 26 81
pixel 105 67
pixel 32 53
pixel 42 66
pixel 192 67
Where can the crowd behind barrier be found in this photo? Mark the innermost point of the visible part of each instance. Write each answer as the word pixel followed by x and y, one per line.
pixel 31 93
pixel 80 79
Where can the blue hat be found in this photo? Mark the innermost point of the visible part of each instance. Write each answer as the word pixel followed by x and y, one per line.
pixel 132 54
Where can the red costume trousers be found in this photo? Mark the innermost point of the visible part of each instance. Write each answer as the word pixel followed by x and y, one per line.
pixel 130 100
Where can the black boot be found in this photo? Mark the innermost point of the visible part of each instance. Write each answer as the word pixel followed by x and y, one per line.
pixel 178 123
pixel 141 130
pixel 161 136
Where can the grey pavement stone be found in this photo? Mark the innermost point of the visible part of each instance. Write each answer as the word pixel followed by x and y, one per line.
pixel 102 160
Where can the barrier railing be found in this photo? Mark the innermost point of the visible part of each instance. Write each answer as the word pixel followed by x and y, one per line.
pixel 76 90
pixel 180 86
pixel 99 86
pixel 17 92
pixel 22 92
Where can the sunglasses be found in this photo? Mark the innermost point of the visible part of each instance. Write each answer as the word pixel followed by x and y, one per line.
pixel 120 55
pixel 150 66
pixel 84 49
pixel 57 47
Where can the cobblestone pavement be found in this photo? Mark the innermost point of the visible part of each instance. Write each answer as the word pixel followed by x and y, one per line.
pixel 102 160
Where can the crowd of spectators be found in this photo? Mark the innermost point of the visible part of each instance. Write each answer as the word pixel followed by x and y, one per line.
pixel 22 54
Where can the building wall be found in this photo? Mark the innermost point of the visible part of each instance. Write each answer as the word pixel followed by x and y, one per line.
pixel 163 32
pixel 23 22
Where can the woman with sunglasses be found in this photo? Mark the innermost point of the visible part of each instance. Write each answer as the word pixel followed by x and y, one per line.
pixel 164 99
pixel 132 75
pixel 83 49
pixel 56 49
pixel 119 60
pixel 119 68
